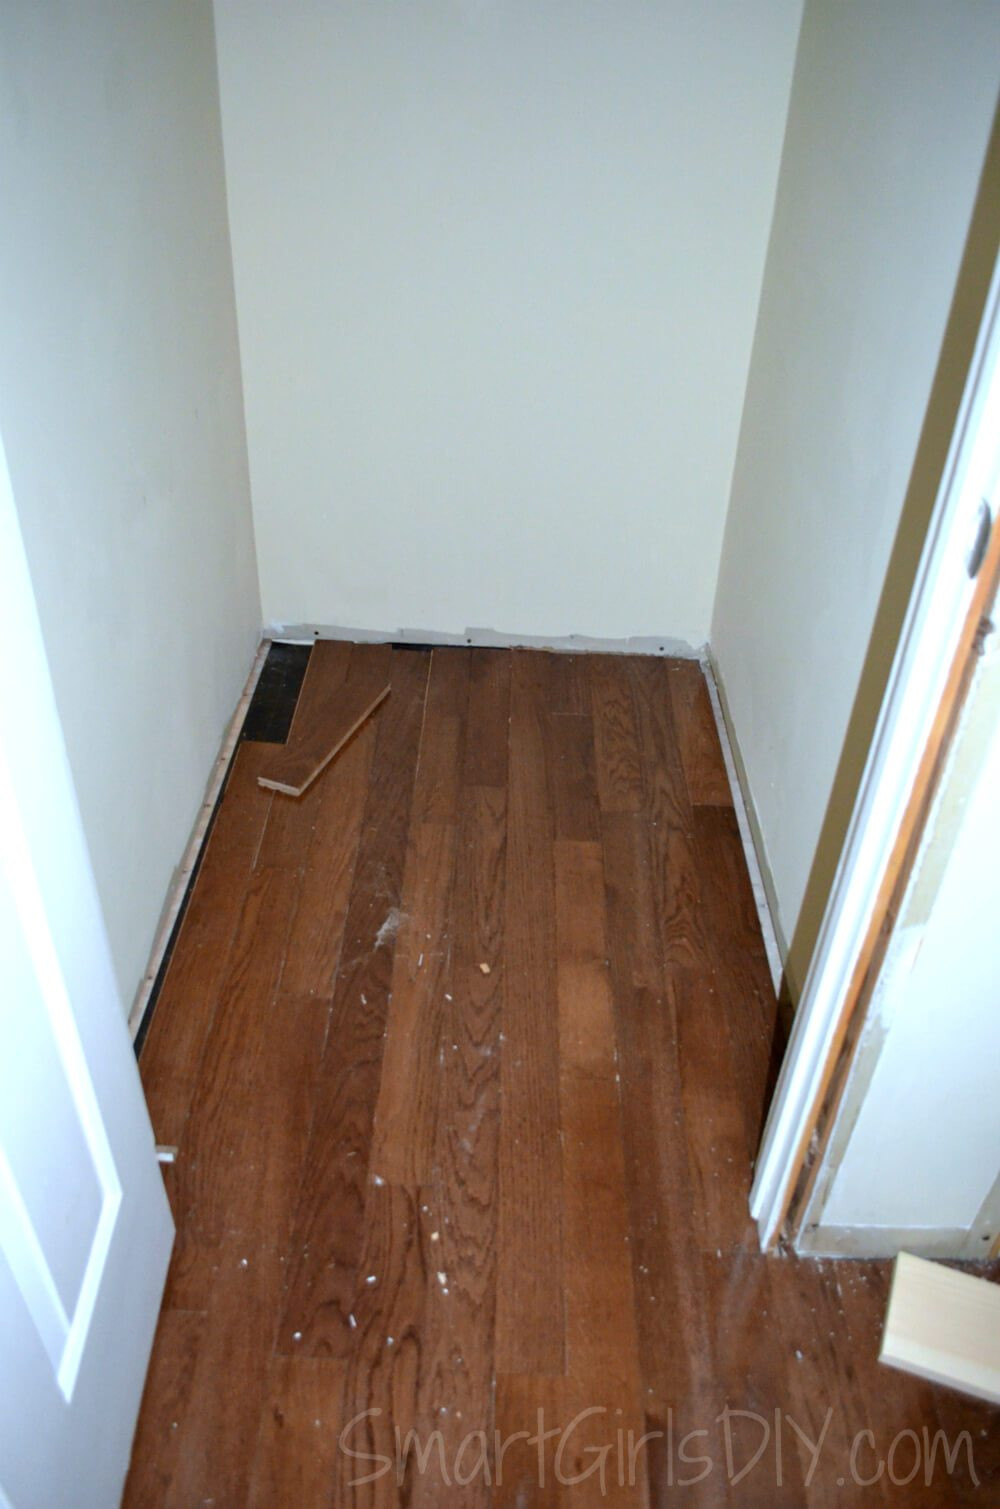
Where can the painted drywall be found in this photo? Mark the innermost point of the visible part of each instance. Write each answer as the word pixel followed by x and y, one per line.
pixel 121 414
pixel 923 1148
pixel 497 272
pixel 888 125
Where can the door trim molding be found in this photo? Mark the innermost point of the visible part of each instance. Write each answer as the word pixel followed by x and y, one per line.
pixel 922 700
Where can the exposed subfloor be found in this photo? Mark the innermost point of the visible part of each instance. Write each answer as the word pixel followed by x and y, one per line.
pixel 466 1055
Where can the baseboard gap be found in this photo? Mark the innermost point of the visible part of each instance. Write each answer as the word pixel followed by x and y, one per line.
pixel 756 860
pixel 187 871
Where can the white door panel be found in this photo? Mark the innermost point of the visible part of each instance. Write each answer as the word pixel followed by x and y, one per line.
pixel 85 1230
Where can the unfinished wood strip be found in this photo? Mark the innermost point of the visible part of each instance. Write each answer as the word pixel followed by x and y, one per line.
pixel 944 1325
pixel 328 713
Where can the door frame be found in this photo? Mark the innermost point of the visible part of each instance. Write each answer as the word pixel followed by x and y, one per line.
pixel 923 699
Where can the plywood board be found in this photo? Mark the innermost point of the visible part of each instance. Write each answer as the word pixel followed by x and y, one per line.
pixel 944 1325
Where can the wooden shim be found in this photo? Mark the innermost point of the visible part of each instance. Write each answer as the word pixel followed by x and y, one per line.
pixel 945 1326
pixel 328 715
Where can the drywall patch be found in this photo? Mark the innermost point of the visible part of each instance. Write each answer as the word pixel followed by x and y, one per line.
pixel 580 644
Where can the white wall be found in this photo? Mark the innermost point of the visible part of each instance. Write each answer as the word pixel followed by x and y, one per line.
pixel 889 120
pixel 121 414
pixel 497 270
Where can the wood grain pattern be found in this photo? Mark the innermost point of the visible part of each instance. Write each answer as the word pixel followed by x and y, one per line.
pixel 701 754
pixel 676 873
pixel 330 710
pixel 171 1055
pixel 325 1247
pixel 944 1326
pixel 438 1204
pixel 530 1332
pixel 295 1461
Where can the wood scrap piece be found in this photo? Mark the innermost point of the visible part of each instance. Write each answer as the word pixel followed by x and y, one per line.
pixel 945 1326
pixel 330 710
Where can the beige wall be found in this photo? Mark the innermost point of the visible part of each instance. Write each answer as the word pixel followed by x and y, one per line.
pixel 889 120
pixel 497 271
pixel 121 415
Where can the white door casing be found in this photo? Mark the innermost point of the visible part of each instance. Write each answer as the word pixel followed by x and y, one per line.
pixel 85 1230
pixel 936 616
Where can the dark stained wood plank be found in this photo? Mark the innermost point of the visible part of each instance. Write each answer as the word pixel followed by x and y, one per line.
pixel 674 1322
pixel 824 1400
pixel 325 1247
pixel 406 1110
pixel 385 1358
pixel 573 1233
pixel 567 677
pixel 748 1008
pixel 291 821
pixel 221 1422
pixel 324 894
pixel 697 735
pixel 616 736
pixel 442 743
pixel 217 1165
pixel 602 1348
pixel 677 879
pixel 160 1434
pixel 568 736
pixel 527 736
pixel 172 1052
pixel 572 780
pixel 488 717
pixel 719 1157
pixel 529 1327
pixel 297 1453
pixel 327 669
pixel 533 1414
pixel 459 1212
pixel 329 712
pixel 909 1403
pixel 750 1368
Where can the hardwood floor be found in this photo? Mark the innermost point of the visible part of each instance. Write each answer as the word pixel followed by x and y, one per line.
pixel 466 1055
